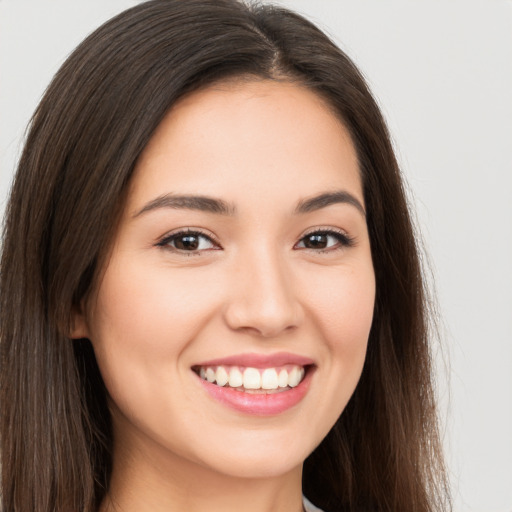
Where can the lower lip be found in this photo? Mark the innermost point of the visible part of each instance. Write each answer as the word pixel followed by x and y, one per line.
pixel 259 404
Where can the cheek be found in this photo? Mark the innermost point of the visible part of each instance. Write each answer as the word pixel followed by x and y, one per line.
pixel 148 309
pixel 341 308
pixel 345 308
pixel 344 315
pixel 143 319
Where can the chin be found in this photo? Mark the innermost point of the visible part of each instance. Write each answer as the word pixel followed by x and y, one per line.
pixel 258 467
pixel 250 460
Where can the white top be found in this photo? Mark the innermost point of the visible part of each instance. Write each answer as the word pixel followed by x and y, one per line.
pixel 308 506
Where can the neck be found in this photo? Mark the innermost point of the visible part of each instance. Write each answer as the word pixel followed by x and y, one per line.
pixel 147 478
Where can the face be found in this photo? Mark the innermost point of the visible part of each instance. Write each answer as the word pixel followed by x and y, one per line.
pixel 231 321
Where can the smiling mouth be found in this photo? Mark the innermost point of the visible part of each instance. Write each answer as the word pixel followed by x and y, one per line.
pixel 253 380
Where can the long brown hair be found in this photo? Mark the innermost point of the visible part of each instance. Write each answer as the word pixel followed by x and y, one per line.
pixel 94 120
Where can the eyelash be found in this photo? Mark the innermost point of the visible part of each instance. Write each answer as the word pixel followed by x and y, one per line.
pixel 167 240
pixel 343 241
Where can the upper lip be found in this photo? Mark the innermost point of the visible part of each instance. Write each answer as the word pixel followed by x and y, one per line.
pixel 255 360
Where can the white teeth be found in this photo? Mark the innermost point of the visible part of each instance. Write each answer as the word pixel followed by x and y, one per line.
pixel 294 377
pixel 222 376
pixel 269 379
pixel 210 375
pixel 252 378
pixel 283 379
pixel 236 378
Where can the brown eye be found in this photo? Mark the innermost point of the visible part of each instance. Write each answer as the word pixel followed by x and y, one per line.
pixel 316 241
pixel 324 241
pixel 188 241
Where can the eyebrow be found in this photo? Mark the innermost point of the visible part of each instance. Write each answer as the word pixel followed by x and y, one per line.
pixel 220 207
pixel 327 199
pixel 200 203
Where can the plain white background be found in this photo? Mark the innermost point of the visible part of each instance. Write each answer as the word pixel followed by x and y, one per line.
pixel 442 72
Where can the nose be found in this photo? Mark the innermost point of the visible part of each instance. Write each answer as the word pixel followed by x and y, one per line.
pixel 263 299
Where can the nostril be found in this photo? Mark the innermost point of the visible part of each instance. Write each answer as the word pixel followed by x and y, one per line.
pixel 265 320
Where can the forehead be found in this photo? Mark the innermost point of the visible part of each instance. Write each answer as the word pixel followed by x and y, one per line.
pixel 262 136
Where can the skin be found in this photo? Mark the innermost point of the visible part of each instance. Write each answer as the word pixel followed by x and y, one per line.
pixel 255 285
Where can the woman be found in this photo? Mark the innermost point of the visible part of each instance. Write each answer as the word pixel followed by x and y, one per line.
pixel 211 297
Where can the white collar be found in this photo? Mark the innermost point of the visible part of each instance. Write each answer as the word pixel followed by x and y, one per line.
pixel 308 506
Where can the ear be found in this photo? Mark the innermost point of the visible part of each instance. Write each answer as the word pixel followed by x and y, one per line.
pixel 78 327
